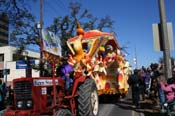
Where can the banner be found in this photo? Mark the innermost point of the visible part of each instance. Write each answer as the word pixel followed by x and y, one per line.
pixel 51 42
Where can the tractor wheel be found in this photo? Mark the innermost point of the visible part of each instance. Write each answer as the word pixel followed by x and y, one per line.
pixel 63 112
pixel 88 104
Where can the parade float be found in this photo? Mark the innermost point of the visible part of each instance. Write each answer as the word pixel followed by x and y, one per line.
pixel 94 66
pixel 98 54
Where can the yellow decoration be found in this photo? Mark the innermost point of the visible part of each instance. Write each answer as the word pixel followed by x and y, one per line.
pixel 46 55
pixel 77 45
pixel 102 48
pixel 80 30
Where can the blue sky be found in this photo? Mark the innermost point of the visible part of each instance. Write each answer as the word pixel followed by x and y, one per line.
pixel 133 21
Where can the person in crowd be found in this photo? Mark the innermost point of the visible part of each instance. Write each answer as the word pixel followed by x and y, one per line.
pixel 161 93
pixel 142 75
pixel 10 95
pixel 160 77
pixel 147 81
pixel 172 79
pixel 65 70
pixel 1 96
pixel 134 81
pixel 154 82
pixel 168 89
pixel 4 91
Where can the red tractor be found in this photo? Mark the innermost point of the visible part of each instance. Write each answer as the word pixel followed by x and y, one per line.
pixel 47 96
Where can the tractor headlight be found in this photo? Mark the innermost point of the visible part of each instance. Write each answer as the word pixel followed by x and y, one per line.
pixel 165 104
pixel 19 104
pixel 29 103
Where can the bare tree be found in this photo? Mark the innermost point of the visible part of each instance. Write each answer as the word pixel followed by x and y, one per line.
pixel 65 26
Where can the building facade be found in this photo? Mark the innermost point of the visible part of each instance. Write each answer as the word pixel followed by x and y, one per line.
pixel 4 29
pixel 16 68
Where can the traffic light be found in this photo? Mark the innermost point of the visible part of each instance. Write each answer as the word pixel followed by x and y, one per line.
pixel 6 71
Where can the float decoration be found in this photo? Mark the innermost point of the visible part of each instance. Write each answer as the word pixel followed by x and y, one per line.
pixel 98 53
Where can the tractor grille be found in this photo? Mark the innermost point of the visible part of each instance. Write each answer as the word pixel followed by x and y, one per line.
pixel 23 92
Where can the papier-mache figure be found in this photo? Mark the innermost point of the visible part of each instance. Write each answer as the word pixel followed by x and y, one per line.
pixel 77 45
pixel 110 54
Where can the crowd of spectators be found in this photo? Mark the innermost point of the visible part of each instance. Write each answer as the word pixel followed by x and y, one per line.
pixel 150 83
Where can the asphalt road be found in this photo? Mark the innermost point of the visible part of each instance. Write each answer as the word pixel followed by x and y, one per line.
pixel 124 107
pixel 120 108
pixel 114 110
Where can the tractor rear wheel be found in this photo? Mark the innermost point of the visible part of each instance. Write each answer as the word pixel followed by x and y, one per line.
pixel 88 104
pixel 63 112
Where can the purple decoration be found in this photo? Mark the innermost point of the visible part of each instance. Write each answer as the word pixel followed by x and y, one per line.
pixel 66 69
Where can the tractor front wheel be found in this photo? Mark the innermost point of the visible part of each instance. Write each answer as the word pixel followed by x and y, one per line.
pixel 88 104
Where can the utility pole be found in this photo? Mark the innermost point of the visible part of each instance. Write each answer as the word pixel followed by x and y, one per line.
pixel 41 43
pixel 165 41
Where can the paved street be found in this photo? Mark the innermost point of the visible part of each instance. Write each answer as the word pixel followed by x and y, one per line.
pixel 124 107
pixel 114 110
